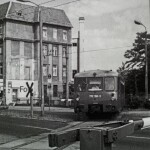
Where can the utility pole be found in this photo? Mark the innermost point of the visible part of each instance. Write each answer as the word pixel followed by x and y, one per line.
pixel 67 87
pixel 146 68
pixel 78 52
pixel 40 84
pixel 41 60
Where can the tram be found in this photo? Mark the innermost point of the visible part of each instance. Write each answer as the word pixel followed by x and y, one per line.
pixel 98 91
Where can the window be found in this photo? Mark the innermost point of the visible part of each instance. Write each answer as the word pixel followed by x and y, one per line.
pixel 19 13
pixel 64 52
pixel 95 84
pixel 109 84
pixel 55 51
pixel 54 70
pixel 15 69
pixel 28 50
pixel 64 71
pixel 14 94
pixel 54 33
pixel 27 73
pixel 44 32
pixel 45 50
pixel 1 29
pixel 15 47
pixel 55 90
pixel 44 70
pixel 65 35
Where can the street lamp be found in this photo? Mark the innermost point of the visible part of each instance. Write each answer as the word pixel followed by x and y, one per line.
pixel 40 87
pixel 146 59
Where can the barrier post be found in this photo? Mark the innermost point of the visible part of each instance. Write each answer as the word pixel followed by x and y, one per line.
pixel 93 139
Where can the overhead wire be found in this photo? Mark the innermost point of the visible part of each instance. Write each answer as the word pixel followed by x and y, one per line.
pixel 45 8
pixel 103 49
pixel 30 7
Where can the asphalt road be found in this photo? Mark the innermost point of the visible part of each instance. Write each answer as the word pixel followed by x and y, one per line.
pixel 12 129
pixel 140 140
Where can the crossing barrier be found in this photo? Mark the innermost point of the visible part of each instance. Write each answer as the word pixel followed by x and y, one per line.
pixel 99 137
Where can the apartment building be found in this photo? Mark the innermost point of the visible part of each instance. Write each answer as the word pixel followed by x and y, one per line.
pixel 20 52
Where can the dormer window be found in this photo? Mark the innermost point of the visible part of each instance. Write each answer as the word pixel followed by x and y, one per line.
pixel 19 13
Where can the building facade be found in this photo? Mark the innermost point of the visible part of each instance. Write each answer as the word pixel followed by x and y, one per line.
pixel 20 52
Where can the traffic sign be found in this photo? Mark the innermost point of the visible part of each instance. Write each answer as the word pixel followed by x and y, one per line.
pixel 30 89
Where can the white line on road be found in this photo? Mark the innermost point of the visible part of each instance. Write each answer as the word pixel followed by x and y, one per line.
pixel 36 127
pixel 137 137
pixel 145 127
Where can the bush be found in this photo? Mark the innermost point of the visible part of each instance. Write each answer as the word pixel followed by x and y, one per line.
pixel 136 102
pixel 147 104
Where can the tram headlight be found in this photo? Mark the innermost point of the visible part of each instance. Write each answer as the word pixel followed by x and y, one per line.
pixel 78 97
pixel 113 96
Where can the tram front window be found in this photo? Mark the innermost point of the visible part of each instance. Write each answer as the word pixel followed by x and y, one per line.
pixel 95 84
pixel 81 84
pixel 109 84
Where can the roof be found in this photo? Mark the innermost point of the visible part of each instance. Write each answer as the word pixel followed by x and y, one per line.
pixel 97 73
pixel 28 13
pixel 3 9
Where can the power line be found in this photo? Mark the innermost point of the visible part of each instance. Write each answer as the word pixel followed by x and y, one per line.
pixel 66 3
pixel 45 8
pixel 46 2
pixel 55 6
pixel 31 7
pixel 103 49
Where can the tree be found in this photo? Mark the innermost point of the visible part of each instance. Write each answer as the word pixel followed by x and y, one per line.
pixel 136 55
pixel 134 68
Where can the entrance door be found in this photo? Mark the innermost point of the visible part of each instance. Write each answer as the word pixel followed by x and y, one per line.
pixel 15 95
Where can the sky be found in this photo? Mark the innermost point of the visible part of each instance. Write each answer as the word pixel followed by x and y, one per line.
pixel 109 27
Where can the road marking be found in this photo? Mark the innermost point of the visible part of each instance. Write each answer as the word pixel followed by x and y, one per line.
pixel 136 137
pixel 145 127
pixel 36 127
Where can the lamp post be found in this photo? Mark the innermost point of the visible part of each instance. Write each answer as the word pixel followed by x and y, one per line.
pixel 40 85
pixel 146 59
